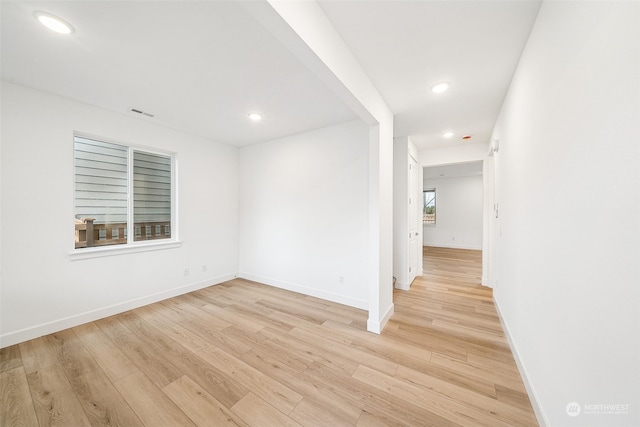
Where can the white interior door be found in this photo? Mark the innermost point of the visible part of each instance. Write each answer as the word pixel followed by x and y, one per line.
pixel 414 235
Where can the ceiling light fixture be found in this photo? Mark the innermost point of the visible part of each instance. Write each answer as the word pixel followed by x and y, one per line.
pixel 255 117
pixel 54 23
pixel 447 134
pixel 440 87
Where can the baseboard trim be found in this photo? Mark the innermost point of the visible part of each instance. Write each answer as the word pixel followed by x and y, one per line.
pixel 403 286
pixel 305 290
pixel 533 397
pixel 47 328
pixel 376 326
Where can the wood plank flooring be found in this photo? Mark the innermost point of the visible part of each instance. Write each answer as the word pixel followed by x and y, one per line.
pixel 245 354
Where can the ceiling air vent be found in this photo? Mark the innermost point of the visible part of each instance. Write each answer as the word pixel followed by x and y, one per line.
pixel 144 113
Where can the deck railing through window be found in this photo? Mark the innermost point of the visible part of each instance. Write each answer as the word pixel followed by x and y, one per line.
pixel 89 234
pixel 429 218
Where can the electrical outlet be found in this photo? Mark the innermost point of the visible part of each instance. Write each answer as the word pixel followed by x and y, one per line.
pixel 341 280
pixel 186 271
pixel 204 267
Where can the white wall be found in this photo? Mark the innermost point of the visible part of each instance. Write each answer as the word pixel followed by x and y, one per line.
pixel 458 213
pixel 567 240
pixel 457 154
pixel 307 32
pixel 42 289
pixel 304 213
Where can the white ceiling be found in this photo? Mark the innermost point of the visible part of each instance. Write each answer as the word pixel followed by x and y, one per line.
pixel 198 66
pixel 202 66
pixel 406 46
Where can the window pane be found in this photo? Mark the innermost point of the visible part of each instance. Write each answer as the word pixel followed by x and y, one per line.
pixel 100 192
pixel 151 195
pixel 429 206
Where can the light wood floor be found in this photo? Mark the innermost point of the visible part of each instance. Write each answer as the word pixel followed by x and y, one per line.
pixel 245 354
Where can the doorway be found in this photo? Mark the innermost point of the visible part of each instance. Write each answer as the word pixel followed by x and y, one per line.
pixel 454 217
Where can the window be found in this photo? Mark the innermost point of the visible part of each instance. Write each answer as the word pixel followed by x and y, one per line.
pixel 429 206
pixel 120 191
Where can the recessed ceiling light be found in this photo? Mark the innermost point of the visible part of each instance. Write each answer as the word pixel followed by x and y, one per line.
pixel 54 23
pixel 440 87
pixel 447 134
pixel 255 117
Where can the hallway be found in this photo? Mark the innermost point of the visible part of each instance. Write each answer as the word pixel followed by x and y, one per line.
pixel 448 312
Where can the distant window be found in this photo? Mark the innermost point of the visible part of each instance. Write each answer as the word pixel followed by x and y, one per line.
pixel 118 187
pixel 429 206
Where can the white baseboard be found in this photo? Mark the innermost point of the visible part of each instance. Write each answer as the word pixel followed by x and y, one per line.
pixel 36 331
pixel 301 289
pixel 376 326
pixel 403 286
pixel 533 397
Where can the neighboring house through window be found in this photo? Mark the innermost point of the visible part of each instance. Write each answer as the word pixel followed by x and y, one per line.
pixel 122 194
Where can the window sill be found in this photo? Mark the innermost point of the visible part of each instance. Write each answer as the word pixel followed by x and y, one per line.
pixel 88 253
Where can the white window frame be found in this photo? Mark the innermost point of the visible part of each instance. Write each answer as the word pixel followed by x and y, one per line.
pixel 132 246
